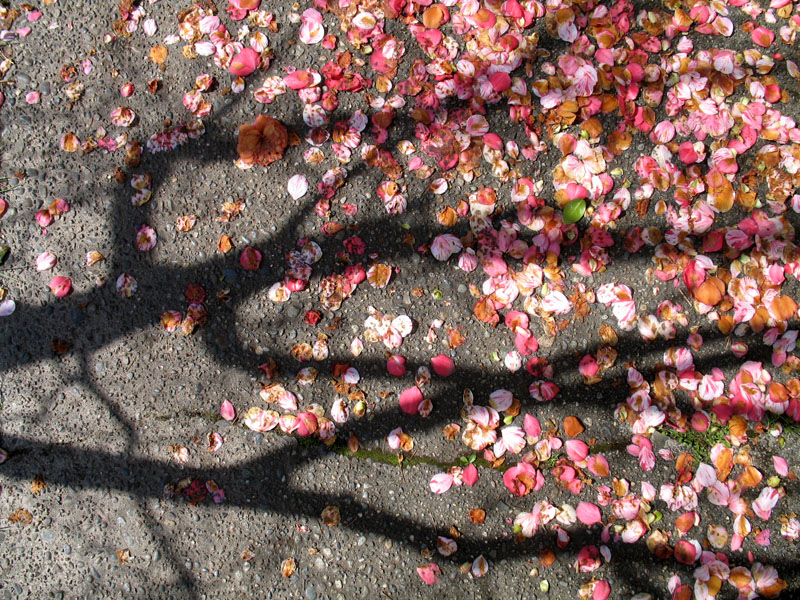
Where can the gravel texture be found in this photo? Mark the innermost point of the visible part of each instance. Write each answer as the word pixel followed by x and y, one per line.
pixel 88 430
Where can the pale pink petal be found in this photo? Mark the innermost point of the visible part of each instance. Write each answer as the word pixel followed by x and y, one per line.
pixel 149 27
pixel 45 261
pixel 446 546
pixel 214 441
pixel 513 438
pixel 781 466
pixel 441 482
pixel 393 439
pixel 479 566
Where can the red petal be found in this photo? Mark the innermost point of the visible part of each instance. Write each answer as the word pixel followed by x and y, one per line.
pixel 396 365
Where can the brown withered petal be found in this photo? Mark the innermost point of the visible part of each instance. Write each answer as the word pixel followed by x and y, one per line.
pixel 331 516
pixel 262 142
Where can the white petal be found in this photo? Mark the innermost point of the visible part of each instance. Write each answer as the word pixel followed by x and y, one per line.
pixel 7 307
pixel 297 186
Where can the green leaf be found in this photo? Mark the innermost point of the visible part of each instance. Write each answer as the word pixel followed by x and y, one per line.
pixel 437 294
pixel 4 250
pixel 574 210
pixel 472 458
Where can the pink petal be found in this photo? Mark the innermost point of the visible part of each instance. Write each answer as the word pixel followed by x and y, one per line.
pixel 532 426
pixel 443 365
pixel 577 450
pixel 227 411
pixel 250 259
pixel 494 141
pixel 576 190
pixel 60 286
pixel 430 573
pixel 245 62
pixel 687 552
pixel 306 424
pixel 470 475
pixel 410 399
pixel 43 218
pixel 396 365
pixel 601 590
pixel 299 80
pixel 598 465
pixel 588 513
pixel 588 366
pixel 781 466
pixel 762 36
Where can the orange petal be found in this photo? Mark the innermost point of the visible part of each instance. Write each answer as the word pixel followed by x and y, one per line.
pixel 710 291
pixel 477 516
pixel 572 427
pixel 158 54
pixel 546 557
pixel 750 477
pixel 783 308
pixel 434 16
